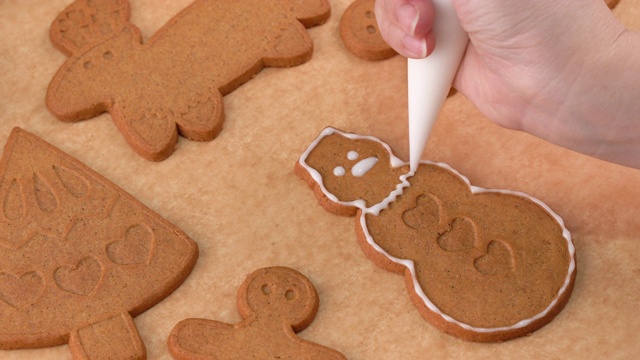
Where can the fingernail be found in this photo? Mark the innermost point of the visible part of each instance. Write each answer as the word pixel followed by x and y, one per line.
pixel 407 15
pixel 417 47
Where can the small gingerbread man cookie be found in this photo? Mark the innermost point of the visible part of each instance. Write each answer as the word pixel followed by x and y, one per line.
pixel 275 304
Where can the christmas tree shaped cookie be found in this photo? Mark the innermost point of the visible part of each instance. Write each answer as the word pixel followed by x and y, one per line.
pixel 79 257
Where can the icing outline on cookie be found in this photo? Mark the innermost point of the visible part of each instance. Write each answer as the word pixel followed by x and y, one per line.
pixel 409 264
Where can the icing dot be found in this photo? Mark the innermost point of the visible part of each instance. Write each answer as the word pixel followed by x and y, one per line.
pixel 339 171
pixel 352 155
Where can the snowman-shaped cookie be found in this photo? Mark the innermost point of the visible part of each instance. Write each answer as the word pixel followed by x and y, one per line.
pixel 482 265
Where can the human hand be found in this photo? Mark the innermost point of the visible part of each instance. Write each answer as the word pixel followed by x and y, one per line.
pixel 533 66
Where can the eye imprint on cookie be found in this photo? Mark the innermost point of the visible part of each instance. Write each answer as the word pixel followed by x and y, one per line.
pixel 87 64
pixel 266 289
pixel 107 55
pixel 290 294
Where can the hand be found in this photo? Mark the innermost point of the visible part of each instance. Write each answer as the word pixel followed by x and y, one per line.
pixel 552 68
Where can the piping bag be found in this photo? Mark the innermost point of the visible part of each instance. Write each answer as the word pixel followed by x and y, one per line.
pixel 430 79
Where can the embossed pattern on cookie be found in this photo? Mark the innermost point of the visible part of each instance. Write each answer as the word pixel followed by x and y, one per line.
pixel 79 257
pixel 482 265
pixel 275 303
pixel 174 83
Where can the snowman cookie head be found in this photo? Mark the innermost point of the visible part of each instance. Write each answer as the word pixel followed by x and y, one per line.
pixel 362 173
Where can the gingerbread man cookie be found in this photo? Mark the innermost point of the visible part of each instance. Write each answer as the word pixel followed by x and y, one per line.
pixel 79 257
pixel 174 83
pixel 275 303
pixel 482 265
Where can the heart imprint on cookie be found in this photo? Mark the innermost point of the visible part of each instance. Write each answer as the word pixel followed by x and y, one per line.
pixel 80 279
pixel 135 248
pixel 20 290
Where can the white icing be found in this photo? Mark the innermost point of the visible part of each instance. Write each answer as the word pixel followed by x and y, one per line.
pixel 363 166
pixel 375 210
pixel 352 155
pixel 338 171
pixel 317 177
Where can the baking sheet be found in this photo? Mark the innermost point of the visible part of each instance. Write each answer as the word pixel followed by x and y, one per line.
pixel 238 198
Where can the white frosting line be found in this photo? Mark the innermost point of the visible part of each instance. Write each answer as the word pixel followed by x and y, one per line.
pixel 375 210
pixel 317 177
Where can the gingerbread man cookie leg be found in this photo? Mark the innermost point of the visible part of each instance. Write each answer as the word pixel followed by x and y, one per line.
pixel 275 304
pixel 482 265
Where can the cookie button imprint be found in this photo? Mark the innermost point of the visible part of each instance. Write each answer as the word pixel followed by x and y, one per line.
pixel 174 82
pixel 482 265
pixel 275 303
pixel 79 257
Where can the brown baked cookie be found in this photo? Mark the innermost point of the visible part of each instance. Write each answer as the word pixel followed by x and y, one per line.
pixel 360 33
pixel 172 84
pixel 79 257
pixel 275 303
pixel 482 265
pixel 612 3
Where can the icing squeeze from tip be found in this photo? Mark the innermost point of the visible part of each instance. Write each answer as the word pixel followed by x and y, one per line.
pixel 404 183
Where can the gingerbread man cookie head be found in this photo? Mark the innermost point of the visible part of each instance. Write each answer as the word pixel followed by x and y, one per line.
pixel 93 46
pixel 284 296
pixel 362 173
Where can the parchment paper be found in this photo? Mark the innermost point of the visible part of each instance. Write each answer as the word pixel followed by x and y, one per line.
pixel 238 198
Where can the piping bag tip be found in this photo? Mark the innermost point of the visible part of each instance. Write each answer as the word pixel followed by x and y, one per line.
pixel 430 79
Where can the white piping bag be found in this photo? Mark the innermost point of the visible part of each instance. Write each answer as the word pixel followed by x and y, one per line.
pixel 430 79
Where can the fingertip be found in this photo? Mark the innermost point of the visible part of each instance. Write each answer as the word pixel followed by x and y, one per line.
pixel 417 47
pixel 414 47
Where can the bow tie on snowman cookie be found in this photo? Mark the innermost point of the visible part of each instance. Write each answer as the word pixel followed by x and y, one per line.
pixel 480 264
